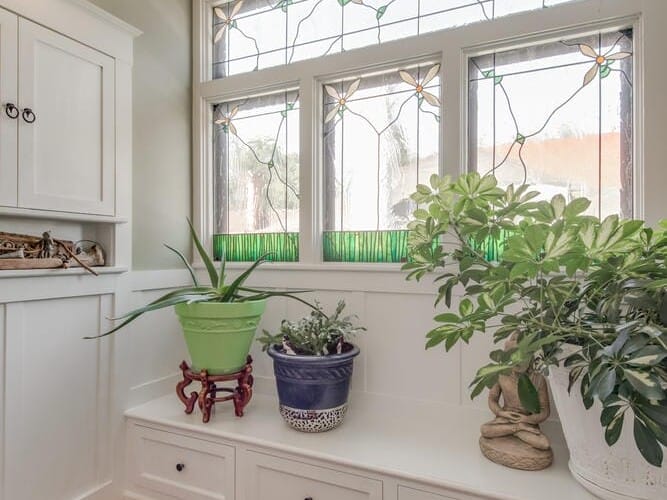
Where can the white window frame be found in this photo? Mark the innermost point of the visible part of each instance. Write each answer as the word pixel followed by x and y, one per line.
pixel 452 47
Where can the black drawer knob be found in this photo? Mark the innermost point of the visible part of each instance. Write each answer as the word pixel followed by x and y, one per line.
pixel 180 467
pixel 308 498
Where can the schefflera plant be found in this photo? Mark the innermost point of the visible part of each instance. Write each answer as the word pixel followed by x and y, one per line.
pixel 560 277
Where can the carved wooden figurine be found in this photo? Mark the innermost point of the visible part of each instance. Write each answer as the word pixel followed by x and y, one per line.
pixel 514 438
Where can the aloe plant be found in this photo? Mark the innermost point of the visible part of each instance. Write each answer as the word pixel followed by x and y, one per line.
pixel 562 277
pixel 218 290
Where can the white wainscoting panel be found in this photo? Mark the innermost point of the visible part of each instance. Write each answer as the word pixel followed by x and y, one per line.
pixel 57 399
pixel 158 348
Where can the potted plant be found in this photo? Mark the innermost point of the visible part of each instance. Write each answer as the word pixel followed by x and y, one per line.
pixel 219 320
pixel 313 361
pixel 587 300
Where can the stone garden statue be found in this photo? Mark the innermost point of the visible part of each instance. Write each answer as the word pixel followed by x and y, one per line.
pixel 513 438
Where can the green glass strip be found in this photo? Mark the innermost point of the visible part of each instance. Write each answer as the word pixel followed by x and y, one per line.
pixel 282 247
pixel 492 248
pixel 366 246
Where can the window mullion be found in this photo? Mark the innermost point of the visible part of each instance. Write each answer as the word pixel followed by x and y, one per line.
pixel 453 122
pixel 309 172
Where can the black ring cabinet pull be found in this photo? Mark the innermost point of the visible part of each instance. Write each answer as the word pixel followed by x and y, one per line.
pixel 28 115
pixel 11 110
pixel 180 467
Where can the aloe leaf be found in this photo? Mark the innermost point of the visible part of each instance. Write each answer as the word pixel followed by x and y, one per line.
pixel 212 273
pixel 223 266
pixel 265 294
pixel 233 288
pixel 181 291
pixel 186 263
pixel 152 307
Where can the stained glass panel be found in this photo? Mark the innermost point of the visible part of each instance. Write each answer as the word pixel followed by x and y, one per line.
pixel 256 177
pixel 380 138
pixel 255 34
pixel 558 116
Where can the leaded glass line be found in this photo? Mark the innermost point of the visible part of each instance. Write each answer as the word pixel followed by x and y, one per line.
pixel 309 28
pixel 505 97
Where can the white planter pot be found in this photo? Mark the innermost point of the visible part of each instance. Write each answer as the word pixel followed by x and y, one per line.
pixel 612 473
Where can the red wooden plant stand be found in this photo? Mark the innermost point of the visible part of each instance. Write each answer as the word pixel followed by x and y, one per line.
pixel 207 397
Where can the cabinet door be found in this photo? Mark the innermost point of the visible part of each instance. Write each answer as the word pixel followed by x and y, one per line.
pixel 66 155
pixel 271 478
pixel 8 93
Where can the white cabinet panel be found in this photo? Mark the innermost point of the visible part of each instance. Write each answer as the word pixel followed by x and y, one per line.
pixel 66 157
pixel 8 95
pixel 57 398
pixel 273 478
pixel 176 466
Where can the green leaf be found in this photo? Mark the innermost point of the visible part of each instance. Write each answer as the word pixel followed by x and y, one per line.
pixel 604 70
pixel 603 384
pixel 648 356
pixel 647 444
pixel 208 262
pixel 232 289
pixel 465 307
pixel 576 207
pixel 185 263
pixel 380 12
pixel 528 394
pixel 558 203
pixel 520 138
pixel 447 318
pixel 645 383
pixel 613 430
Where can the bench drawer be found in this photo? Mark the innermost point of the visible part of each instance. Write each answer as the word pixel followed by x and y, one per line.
pixel 176 466
pixel 274 478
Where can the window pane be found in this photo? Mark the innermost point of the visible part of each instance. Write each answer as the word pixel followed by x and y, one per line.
pixel 256 177
pixel 558 116
pixel 380 140
pixel 255 34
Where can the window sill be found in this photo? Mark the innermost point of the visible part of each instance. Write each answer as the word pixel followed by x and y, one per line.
pixel 332 276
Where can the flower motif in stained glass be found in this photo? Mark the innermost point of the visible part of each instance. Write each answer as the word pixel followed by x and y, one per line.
pixel 420 86
pixel 227 20
pixel 601 62
pixel 341 99
pixel 226 121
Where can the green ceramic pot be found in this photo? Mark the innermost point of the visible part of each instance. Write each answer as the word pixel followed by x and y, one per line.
pixel 219 335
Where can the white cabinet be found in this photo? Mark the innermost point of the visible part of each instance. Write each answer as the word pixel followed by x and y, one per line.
pixel 8 103
pixel 57 150
pixel 272 478
pixel 168 465
pixel 66 155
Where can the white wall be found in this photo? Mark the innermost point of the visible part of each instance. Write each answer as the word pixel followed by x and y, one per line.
pixel 162 132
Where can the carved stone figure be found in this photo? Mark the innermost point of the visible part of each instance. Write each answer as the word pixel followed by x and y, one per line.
pixel 513 438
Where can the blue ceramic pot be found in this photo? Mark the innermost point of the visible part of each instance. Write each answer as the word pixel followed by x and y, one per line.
pixel 313 390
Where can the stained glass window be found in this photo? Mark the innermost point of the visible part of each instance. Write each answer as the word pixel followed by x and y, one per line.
pixel 256 178
pixel 380 138
pixel 558 115
pixel 255 34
